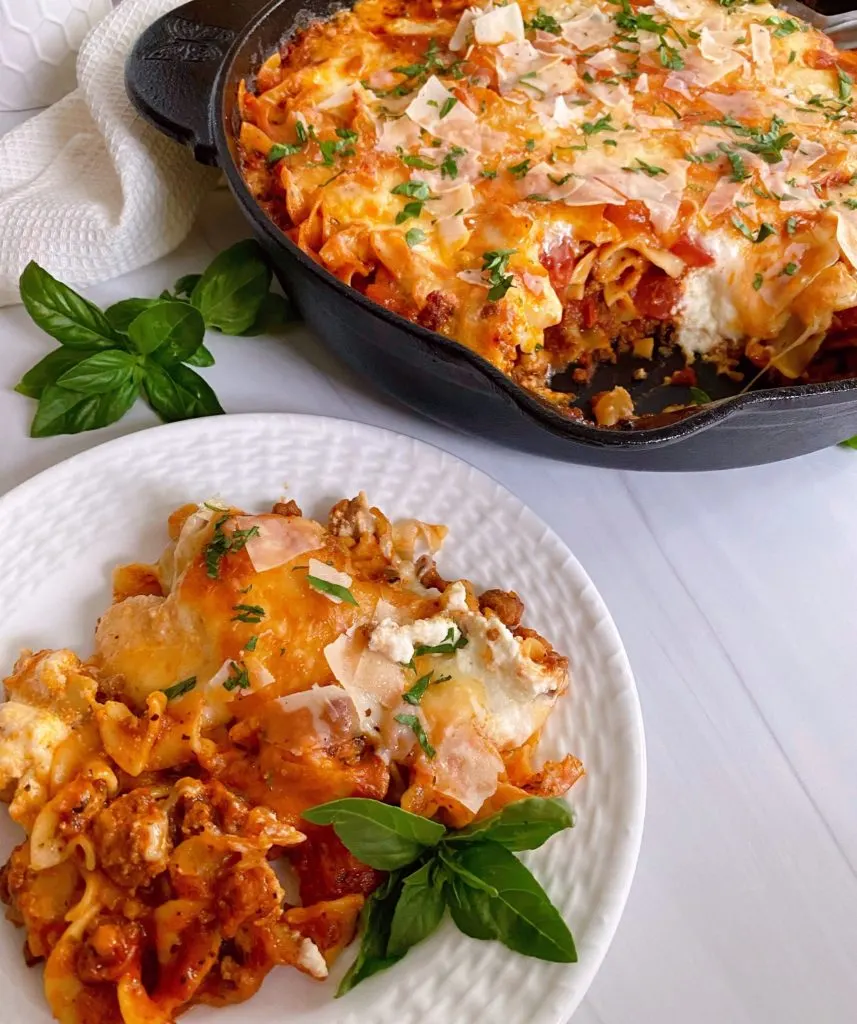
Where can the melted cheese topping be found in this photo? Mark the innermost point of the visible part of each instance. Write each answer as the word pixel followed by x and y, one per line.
pixel 267 664
pixel 607 151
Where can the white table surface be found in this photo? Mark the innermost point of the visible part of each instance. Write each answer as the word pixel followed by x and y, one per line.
pixel 736 596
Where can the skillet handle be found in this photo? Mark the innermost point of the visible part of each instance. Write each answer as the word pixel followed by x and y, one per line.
pixel 170 73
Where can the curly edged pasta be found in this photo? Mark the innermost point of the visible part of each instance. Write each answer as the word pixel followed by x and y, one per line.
pixel 266 664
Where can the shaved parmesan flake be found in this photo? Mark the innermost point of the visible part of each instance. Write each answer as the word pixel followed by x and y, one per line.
pixel 402 132
pixel 426 106
pixel 499 25
pixel 563 115
pixel 760 42
pixel 533 283
pixel 280 539
pixel 658 123
pixel 573 190
pixel 371 680
pixel 605 60
pixel 342 96
pixel 455 200
pixel 328 710
pixel 846 235
pixel 463 29
pixel 683 10
pixel 466 766
pixel 642 83
pixel 715 46
pixel 679 85
pixel 473 277
pixel 609 95
pixel 326 573
pixel 722 197
pixel 453 232
pixel 593 29
pixel 736 104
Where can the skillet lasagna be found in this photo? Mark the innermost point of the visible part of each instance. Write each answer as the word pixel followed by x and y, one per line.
pixel 555 184
pixel 266 664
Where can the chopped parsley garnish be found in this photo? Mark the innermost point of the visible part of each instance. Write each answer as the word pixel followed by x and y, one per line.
pixel 180 689
pixel 238 679
pixel 544 22
pixel 416 726
pixel 790 269
pixel 757 282
pixel 699 397
pixel 846 83
pixel 562 180
pixel 765 230
pixel 488 174
pixel 417 74
pixel 603 124
pixel 850 203
pixel 588 77
pixel 495 264
pixel 739 169
pixel 414 237
pixel 418 162
pixel 331 589
pixel 449 167
pixel 538 197
pixel 415 694
pixel 220 545
pixel 783 26
pixel 792 55
pixel 449 644
pixel 648 169
pixel 418 191
pixel 413 189
pixel 769 145
pixel 530 144
pixel 252 613
pixel 519 170
pixel 791 225
pixel 340 146
pixel 670 57
pixel 251 643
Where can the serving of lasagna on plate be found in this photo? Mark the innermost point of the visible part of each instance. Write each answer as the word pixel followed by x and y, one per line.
pixel 556 185
pixel 266 664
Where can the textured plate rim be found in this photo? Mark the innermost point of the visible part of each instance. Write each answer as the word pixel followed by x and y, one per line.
pixel 629 844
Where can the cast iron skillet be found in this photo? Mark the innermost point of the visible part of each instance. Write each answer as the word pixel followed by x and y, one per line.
pixel 183 77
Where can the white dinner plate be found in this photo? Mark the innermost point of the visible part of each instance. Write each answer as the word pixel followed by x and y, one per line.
pixel 64 531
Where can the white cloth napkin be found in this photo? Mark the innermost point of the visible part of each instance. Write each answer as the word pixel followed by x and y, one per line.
pixel 87 188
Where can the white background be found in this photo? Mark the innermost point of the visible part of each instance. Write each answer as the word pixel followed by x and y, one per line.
pixel 736 596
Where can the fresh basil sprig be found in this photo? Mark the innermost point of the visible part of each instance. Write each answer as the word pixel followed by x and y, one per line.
pixel 472 871
pixel 107 357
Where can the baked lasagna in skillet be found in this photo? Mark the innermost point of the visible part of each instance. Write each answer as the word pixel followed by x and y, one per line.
pixel 555 184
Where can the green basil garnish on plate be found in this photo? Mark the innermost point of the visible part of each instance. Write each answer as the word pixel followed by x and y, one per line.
pixel 473 872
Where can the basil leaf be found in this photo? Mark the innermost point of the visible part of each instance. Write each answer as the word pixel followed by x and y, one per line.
pixel 122 314
pixel 382 836
pixel 450 862
pixel 231 291
pixel 376 919
pixel 185 285
pixel 469 910
pixel 62 313
pixel 50 369
pixel 178 393
pixel 62 411
pixel 333 589
pixel 523 825
pixel 202 357
pixel 275 312
pixel 418 911
pixel 172 331
pixel 521 914
pixel 100 373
